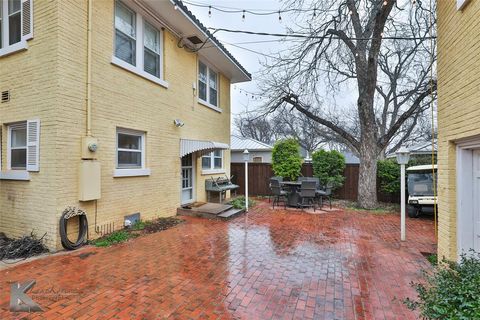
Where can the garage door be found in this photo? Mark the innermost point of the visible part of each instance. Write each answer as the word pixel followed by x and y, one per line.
pixel 476 198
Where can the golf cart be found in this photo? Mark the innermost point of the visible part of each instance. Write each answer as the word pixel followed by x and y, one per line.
pixel 420 190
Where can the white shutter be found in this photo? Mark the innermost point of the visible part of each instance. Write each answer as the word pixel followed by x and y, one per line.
pixel 27 19
pixel 33 145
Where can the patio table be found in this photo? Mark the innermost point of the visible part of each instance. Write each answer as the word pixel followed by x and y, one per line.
pixel 293 198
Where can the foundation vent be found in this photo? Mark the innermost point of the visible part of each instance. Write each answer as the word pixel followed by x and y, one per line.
pixel 5 96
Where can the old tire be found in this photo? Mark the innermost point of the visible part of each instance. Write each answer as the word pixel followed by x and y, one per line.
pixel 413 212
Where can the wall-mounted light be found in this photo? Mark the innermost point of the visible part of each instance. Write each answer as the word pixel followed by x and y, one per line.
pixel 178 123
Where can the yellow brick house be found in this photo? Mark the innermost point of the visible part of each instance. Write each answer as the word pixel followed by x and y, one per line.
pixel 112 106
pixel 458 127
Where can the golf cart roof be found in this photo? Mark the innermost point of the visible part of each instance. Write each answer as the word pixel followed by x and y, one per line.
pixel 427 167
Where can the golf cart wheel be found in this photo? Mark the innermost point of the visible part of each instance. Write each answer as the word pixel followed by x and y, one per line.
pixel 413 212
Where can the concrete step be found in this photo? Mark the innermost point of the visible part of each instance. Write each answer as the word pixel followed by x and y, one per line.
pixel 229 213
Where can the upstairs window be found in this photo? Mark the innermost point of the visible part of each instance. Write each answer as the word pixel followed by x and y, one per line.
pixel 151 42
pixel 138 43
pixel 16 24
pixel 125 33
pixel 207 85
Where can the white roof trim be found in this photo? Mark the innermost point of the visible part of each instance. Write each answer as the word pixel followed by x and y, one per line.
pixel 189 146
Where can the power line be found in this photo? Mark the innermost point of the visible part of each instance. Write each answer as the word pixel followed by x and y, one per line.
pixel 305 36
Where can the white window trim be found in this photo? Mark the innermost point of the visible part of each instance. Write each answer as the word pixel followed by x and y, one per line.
pixel 261 159
pixel 461 4
pixel 19 46
pixel 16 174
pixel 138 68
pixel 212 169
pixel 206 103
pixel 131 172
pixel 6 48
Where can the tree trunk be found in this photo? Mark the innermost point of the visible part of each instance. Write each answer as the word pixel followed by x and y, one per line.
pixel 367 178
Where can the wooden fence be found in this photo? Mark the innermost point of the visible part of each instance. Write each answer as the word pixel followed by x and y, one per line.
pixel 260 173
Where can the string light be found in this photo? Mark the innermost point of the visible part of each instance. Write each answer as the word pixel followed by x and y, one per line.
pixel 243 16
pixel 175 7
pixel 385 2
pixel 210 11
pixel 279 17
pixel 314 12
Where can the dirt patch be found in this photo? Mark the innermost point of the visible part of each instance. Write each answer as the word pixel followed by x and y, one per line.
pixel 161 224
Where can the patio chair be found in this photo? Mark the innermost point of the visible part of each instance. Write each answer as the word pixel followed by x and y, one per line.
pixel 307 194
pixel 327 193
pixel 277 193
pixel 280 179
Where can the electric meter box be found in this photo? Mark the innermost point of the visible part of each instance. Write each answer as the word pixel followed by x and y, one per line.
pixel 89 181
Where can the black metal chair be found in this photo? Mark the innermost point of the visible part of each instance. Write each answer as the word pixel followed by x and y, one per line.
pixel 327 193
pixel 307 194
pixel 280 179
pixel 277 193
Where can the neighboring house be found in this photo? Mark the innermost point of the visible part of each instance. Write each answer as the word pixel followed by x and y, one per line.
pixel 259 152
pixel 458 127
pixel 108 106
pixel 419 149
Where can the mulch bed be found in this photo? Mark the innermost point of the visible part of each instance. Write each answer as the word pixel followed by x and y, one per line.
pixel 161 224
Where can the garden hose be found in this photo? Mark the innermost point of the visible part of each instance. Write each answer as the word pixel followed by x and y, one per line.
pixel 82 228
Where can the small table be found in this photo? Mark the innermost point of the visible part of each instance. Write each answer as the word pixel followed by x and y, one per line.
pixel 293 198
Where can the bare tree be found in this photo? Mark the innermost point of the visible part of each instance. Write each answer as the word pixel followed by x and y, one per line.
pixel 381 50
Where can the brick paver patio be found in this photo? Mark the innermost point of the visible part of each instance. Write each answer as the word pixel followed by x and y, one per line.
pixel 270 265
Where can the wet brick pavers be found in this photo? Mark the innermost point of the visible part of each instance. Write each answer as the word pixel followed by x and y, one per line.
pixel 267 265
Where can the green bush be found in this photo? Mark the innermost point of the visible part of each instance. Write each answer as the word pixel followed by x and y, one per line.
pixel 239 202
pixel 452 291
pixel 286 159
pixel 329 167
pixel 113 238
pixel 388 173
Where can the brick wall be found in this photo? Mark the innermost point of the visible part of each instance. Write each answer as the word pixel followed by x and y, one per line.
pixel 119 99
pixel 458 105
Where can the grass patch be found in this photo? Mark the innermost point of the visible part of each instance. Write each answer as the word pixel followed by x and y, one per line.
pixel 239 202
pixel 113 238
pixel 382 208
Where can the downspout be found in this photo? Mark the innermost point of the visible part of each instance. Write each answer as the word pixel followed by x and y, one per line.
pixel 89 69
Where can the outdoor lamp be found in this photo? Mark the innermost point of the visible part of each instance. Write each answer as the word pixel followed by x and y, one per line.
pixel 246 155
pixel 246 158
pixel 403 155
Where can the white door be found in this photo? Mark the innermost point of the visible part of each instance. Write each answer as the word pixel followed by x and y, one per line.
pixel 187 179
pixel 476 199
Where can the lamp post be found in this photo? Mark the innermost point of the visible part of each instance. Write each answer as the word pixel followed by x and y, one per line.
pixel 246 158
pixel 403 155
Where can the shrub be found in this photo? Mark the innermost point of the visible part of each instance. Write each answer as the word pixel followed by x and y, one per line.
pixel 388 173
pixel 113 238
pixel 329 166
pixel 452 291
pixel 239 202
pixel 286 159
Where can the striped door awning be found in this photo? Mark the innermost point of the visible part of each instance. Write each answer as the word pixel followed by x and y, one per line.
pixel 188 146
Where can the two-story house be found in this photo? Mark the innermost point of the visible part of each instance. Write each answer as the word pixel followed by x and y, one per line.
pixel 458 127
pixel 114 106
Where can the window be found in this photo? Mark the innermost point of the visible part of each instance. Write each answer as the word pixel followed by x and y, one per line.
pixel 23 147
pixel 213 160
pixel 18 146
pixel 125 33
pixel 138 44
pixel 207 85
pixel 151 42
pixel 130 149
pixel 16 25
pixel 258 159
